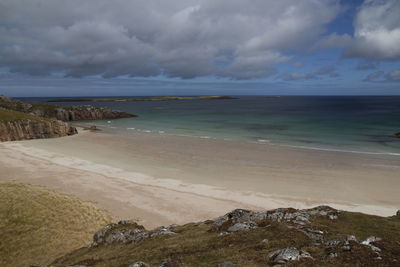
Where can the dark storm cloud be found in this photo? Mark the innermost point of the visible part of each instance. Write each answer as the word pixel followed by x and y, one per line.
pixel 177 38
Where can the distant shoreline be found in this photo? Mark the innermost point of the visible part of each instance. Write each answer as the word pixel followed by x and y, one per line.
pixel 151 98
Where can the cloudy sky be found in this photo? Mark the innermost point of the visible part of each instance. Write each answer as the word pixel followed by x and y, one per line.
pixel 189 47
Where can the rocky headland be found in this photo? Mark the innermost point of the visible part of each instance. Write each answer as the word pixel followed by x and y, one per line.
pixel 321 236
pixel 22 121
pixel 15 126
pixel 63 113
pixel 144 98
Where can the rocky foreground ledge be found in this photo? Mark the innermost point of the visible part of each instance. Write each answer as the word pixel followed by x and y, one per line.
pixel 321 236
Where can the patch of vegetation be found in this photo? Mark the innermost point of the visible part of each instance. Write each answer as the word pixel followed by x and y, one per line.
pixel 7 115
pixel 38 225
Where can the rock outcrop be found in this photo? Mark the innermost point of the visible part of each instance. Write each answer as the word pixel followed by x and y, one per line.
pixel 77 113
pixel 63 113
pixel 320 236
pixel 127 232
pixel 31 129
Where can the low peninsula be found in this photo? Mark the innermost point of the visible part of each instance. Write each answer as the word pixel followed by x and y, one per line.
pixel 145 98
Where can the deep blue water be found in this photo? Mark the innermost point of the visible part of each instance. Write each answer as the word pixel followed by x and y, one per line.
pixel 364 124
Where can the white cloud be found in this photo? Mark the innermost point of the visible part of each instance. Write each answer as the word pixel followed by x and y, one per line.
pixel 179 38
pixel 377 31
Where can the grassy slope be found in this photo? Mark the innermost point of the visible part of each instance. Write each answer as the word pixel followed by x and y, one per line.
pixel 11 115
pixel 38 225
pixel 196 246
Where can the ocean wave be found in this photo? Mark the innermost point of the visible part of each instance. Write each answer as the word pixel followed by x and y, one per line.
pixel 341 150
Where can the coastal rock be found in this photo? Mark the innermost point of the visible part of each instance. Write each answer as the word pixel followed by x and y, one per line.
pixel 397 134
pixel 34 129
pixel 127 232
pixel 64 113
pixel 398 213
pixel 226 264
pixel 139 264
pixel 75 113
pixel 253 219
pixel 92 128
pixel 372 239
pixel 241 227
pixel 282 256
pixel 171 263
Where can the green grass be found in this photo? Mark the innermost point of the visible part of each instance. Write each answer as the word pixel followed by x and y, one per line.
pixel 7 115
pixel 197 246
pixel 38 225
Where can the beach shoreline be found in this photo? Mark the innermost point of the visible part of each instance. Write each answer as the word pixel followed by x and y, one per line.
pixel 159 179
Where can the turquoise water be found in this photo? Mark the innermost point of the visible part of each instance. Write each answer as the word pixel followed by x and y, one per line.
pixel 354 124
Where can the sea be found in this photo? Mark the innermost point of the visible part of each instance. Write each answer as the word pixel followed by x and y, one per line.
pixel 353 124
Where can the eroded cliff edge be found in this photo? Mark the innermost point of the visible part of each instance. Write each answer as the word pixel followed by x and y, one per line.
pixel 64 113
pixel 15 126
pixel 23 121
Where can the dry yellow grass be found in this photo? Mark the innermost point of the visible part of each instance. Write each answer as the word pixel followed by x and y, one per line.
pixel 38 225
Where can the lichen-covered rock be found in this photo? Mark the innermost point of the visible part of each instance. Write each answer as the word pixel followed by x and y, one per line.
pixel 139 264
pixel 372 239
pixel 127 232
pixel 241 227
pixel 282 256
pixel 255 218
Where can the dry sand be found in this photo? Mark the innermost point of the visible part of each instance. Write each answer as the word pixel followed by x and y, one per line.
pixel 160 179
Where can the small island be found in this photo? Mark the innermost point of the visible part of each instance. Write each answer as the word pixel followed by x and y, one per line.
pixel 144 98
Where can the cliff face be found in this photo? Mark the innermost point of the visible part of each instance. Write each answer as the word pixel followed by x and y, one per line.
pixel 75 113
pixel 30 129
pixel 64 113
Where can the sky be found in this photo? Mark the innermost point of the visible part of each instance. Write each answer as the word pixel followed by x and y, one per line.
pixel 199 47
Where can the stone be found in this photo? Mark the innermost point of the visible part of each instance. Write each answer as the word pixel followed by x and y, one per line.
pixel 255 218
pixel 226 264
pixel 332 255
pixel 126 222
pixel 92 128
pixel 398 213
pixel 333 243
pixel 346 246
pixel 241 227
pixel 351 238
pixel 397 134
pixel 127 232
pixel 371 239
pixel 282 256
pixel 139 264
pixel 171 263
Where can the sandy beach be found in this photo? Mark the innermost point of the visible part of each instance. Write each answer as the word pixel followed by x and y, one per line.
pixel 160 179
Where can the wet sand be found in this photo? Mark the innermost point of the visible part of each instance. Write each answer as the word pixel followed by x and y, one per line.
pixel 161 179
